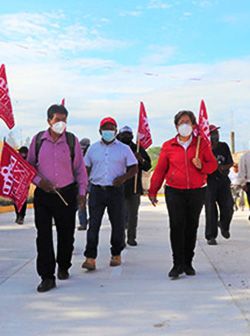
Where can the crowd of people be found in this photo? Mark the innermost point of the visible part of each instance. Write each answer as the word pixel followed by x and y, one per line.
pixel 75 175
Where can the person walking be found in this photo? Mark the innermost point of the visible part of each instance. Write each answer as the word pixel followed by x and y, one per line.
pixel 110 164
pixel 236 188
pixel 133 195
pixel 82 212
pixel 186 178
pixel 244 174
pixel 219 201
pixel 21 214
pixel 61 184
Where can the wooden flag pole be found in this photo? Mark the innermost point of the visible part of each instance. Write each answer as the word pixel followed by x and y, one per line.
pixel 198 147
pixel 137 151
pixel 57 192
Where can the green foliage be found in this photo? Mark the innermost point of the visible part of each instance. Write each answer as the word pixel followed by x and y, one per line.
pixel 154 152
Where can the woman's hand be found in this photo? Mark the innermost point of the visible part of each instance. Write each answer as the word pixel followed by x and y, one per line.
pixel 197 163
pixel 153 200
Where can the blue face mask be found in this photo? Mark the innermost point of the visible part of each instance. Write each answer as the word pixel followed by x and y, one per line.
pixel 108 135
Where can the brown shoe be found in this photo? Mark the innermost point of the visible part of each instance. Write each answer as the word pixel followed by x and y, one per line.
pixel 89 264
pixel 115 261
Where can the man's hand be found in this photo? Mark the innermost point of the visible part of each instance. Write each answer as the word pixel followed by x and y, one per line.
pixel 118 181
pixel 81 201
pixel 139 157
pixel 221 169
pixel 197 163
pixel 153 200
pixel 46 185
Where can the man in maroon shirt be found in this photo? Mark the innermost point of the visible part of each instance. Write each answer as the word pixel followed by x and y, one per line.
pixel 58 172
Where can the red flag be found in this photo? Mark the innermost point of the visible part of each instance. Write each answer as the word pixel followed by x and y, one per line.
pixel 63 102
pixel 144 134
pixel 16 175
pixel 203 124
pixel 6 112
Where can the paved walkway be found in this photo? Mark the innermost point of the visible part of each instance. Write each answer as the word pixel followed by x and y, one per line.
pixel 135 299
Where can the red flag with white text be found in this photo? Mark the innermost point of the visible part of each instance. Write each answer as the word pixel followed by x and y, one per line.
pixel 203 124
pixel 144 133
pixel 16 175
pixel 6 112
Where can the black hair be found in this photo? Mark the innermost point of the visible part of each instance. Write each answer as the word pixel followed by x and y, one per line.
pixel 23 150
pixel 180 114
pixel 53 109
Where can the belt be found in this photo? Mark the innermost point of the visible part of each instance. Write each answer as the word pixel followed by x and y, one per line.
pixel 67 187
pixel 103 187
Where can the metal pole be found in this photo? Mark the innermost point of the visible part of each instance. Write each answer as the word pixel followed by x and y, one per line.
pixel 232 141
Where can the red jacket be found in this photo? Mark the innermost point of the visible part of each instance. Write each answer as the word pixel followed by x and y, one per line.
pixel 176 167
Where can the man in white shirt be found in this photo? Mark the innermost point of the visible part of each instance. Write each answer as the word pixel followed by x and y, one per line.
pixel 244 174
pixel 110 164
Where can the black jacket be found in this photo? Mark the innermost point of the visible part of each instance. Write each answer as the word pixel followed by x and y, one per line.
pixel 145 166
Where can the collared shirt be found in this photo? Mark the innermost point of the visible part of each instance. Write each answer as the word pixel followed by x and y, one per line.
pixel 244 168
pixel 108 161
pixel 185 144
pixel 54 162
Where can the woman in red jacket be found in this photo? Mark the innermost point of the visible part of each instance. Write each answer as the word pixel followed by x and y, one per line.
pixel 186 178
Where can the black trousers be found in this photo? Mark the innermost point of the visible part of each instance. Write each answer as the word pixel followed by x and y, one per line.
pixel 248 193
pixel 48 206
pixel 132 203
pixel 184 208
pixel 22 212
pixel 101 198
pixel 218 195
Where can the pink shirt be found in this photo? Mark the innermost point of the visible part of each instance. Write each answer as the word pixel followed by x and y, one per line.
pixel 54 162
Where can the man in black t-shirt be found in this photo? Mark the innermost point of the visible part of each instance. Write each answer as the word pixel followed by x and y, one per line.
pixel 219 201
pixel 132 197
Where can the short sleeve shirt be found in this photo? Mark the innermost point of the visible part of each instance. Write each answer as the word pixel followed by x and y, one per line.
pixel 108 161
pixel 224 157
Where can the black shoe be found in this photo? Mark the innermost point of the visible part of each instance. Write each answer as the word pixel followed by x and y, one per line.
pixel 212 241
pixel 225 234
pixel 189 270
pixel 132 242
pixel 175 271
pixel 62 274
pixel 46 285
pixel 20 220
pixel 82 227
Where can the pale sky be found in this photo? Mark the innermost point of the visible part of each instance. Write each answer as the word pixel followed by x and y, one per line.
pixel 105 56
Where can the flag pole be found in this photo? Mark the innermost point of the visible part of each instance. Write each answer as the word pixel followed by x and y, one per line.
pixel 198 147
pixel 57 192
pixel 137 151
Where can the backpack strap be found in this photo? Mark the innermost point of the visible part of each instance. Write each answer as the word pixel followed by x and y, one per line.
pixel 38 144
pixel 70 141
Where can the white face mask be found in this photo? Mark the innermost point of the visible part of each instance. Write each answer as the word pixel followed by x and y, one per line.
pixel 59 127
pixel 185 130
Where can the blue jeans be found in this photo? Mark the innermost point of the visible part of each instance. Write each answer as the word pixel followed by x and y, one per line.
pixel 82 215
pixel 101 198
